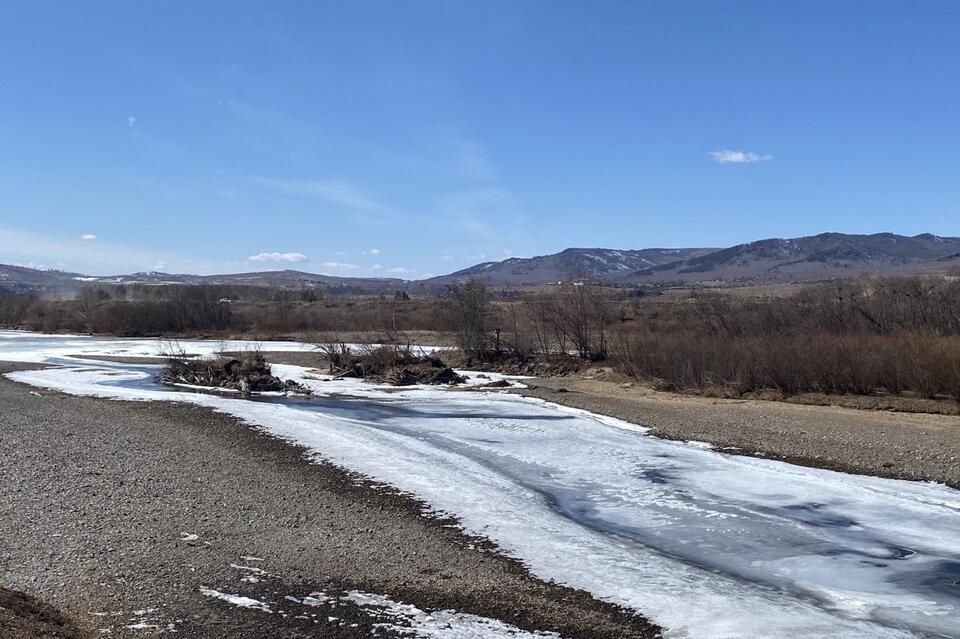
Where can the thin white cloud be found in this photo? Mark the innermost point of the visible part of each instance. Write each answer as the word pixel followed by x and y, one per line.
pixel 447 258
pixel 730 156
pixel 401 270
pixel 278 257
pixel 375 267
pixel 160 266
pixel 375 251
pixel 340 266
pixel 88 237
pixel 131 121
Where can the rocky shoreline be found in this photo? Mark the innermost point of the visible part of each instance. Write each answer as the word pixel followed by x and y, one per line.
pixel 123 514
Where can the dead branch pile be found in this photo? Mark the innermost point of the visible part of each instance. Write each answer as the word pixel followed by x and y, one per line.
pixel 249 373
pixel 395 365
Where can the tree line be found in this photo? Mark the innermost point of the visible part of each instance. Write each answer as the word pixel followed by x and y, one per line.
pixel 867 336
pixel 872 335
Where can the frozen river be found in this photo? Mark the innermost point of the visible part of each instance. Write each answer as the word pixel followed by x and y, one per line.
pixel 705 544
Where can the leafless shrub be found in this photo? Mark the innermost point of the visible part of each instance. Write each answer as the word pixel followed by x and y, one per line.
pixel 336 353
pixel 925 365
pixel 573 318
pixel 172 351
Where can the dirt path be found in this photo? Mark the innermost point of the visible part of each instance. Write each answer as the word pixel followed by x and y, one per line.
pixel 886 444
pixel 119 513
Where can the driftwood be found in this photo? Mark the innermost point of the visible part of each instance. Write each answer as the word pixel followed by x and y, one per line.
pixel 248 375
pixel 422 374
pixel 389 365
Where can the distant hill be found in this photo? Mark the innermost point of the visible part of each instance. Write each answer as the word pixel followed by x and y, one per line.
pixel 824 256
pixel 22 278
pixel 596 264
pixel 288 279
pixel 818 257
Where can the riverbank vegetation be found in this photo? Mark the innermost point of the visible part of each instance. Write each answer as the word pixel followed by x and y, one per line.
pixel 869 336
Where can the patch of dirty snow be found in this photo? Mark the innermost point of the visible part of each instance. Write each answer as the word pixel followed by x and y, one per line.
pixel 409 620
pixel 236 600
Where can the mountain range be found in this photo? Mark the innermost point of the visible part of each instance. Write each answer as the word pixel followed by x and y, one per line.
pixel 818 257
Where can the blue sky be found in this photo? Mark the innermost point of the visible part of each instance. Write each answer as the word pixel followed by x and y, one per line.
pixel 409 138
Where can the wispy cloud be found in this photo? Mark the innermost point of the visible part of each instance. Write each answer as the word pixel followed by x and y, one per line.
pixel 75 253
pixel 374 251
pixel 266 129
pixel 88 237
pixel 399 270
pixel 131 121
pixel 336 192
pixel 439 151
pixel 470 158
pixel 730 156
pixel 481 212
pixel 278 257
pixel 340 266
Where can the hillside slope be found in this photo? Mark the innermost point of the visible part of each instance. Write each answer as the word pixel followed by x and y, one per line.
pixel 596 263
pixel 824 256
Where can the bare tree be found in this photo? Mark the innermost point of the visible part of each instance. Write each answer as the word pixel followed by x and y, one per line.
pixel 579 317
pixel 471 306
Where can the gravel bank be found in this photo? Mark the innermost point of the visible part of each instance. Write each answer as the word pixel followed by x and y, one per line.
pixel 25 617
pixel 120 512
pixel 885 444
